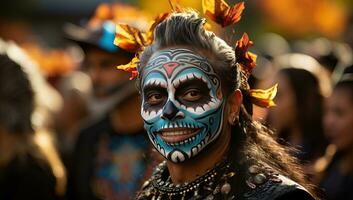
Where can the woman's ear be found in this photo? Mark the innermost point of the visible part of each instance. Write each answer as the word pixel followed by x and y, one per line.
pixel 234 102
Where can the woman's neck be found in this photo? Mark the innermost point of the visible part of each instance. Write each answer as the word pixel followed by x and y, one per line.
pixel 195 167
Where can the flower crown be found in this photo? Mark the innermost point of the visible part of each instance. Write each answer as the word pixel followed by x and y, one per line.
pixel 133 40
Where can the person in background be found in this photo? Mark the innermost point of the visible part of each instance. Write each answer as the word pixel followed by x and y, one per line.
pixel 109 159
pixel 75 89
pixel 96 38
pixel 29 165
pixel 297 116
pixel 336 176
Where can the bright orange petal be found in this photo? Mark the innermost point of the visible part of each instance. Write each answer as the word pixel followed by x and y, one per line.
pixel 245 57
pixel 234 14
pixel 264 98
pixel 129 38
pixel 130 67
pixel 220 12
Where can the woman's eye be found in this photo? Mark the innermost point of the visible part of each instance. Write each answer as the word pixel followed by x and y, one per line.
pixel 192 95
pixel 155 98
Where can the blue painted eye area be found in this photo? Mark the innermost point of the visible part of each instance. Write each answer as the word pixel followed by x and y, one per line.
pixel 154 97
pixel 192 93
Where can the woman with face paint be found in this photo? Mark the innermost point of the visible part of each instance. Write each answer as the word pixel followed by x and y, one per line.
pixel 197 113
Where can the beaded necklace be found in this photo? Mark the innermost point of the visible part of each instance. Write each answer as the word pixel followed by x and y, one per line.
pixel 214 184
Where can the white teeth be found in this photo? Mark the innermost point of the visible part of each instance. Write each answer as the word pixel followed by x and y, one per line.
pixel 183 107
pixel 197 75
pixel 177 156
pixel 176 133
pixel 206 107
pixel 159 148
pixel 199 110
pixel 190 109
pixel 194 150
pixel 156 82
pixel 163 84
pixel 212 104
pixel 182 79
pixel 177 82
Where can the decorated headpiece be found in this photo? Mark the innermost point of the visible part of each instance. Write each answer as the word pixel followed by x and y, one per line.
pixel 134 40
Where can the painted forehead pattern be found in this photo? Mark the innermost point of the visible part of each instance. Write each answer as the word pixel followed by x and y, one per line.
pixel 167 61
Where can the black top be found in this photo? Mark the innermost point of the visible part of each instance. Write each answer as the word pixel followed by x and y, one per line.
pixel 26 177
pixel 335 183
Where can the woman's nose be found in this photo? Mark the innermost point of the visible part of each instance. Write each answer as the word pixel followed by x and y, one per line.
pixel 169 111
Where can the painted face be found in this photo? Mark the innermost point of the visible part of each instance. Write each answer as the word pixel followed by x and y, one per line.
pixel 182 103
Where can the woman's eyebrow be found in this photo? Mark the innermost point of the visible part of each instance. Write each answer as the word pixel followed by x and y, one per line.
pixel 153 87
pixel 192 82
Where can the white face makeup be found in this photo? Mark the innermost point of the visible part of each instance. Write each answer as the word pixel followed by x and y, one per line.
pixel 182 103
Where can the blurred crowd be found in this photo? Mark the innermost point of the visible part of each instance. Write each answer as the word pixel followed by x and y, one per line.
pixel 70 124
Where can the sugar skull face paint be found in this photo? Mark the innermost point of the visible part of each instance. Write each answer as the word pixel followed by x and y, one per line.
pixel 182 103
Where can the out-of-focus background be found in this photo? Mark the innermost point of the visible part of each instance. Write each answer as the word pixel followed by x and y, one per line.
pixel 86 116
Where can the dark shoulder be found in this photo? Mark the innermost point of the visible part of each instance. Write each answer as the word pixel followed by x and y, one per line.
pixel 265 184
pixel 295 194
pixel 29 177
pixel 28 165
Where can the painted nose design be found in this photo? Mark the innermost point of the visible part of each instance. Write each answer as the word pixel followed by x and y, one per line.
pixel 169 111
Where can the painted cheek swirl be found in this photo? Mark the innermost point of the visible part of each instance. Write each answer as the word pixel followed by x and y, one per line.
pixel 182 108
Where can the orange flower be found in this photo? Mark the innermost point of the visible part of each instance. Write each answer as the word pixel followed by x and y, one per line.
pixel 245 58
pixel 263 98
pixel 129 38
pixel 131 67
pixel 132 39
pixel 221 13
